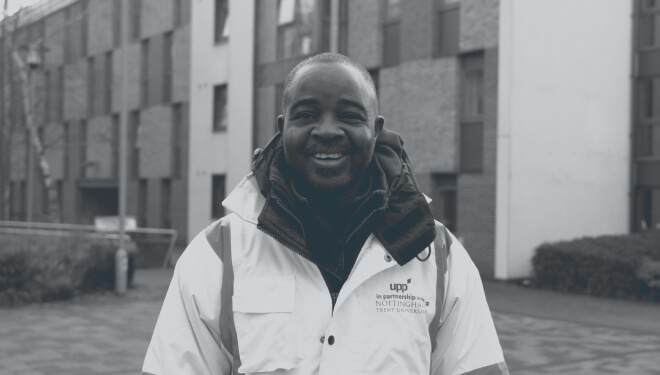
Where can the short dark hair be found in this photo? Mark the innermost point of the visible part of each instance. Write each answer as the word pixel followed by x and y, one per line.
pixel 322 58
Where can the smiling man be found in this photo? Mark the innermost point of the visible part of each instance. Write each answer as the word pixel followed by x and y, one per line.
pixel 330 261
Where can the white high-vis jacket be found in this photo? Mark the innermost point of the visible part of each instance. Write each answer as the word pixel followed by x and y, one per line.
pixel 242 303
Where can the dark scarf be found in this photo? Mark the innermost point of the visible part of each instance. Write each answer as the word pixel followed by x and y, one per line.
pixel 394 209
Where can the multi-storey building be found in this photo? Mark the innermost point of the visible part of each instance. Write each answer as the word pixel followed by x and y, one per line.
pixel 517 115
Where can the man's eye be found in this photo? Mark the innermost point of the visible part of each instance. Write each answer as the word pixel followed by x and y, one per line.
pixel 350 116
pixel 304 116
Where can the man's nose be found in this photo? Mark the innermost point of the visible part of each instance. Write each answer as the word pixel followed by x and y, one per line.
pixel 327 129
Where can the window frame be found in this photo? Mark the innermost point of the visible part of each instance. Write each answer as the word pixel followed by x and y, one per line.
pixel 441 11
pixel 473 122
pixel 218 115
pixel 221 29
pixel 389 21
pixel 218 180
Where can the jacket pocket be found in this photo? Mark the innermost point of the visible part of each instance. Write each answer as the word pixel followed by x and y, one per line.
pixel 263 315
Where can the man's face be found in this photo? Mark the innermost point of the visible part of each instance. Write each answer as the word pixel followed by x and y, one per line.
pixel 329 126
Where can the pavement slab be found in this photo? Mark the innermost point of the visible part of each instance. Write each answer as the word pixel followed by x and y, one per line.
pixel 541 332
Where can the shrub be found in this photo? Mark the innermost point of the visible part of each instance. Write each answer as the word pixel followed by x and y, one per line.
pixel 612 266
pixel 46 268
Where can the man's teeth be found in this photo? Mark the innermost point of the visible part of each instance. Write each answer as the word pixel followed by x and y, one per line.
pixel 327 156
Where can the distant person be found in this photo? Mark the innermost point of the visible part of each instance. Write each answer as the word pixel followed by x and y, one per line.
pixel 330 261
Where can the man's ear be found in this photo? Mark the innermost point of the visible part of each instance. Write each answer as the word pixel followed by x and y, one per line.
pixel 280 123
pixel 378 124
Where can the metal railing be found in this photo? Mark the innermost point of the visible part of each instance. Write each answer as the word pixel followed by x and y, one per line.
pixel 58 229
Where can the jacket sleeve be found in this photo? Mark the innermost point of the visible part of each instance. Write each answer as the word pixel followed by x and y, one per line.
pixel 466 340
pixel 186 339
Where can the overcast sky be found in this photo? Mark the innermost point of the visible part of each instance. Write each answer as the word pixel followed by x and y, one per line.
pixel 14 5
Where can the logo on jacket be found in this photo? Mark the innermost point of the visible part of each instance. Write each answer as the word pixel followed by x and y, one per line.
pixel 402 300
pixel 402 287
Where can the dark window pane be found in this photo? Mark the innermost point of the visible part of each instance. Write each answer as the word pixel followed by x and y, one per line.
pixel 443 195
pixel 134 142
pixel 66 145
pixel 221 20
pixel 144 73
pixel 115 146
pixel 471 147
pixel 218 195
pixel 650 98
pixel 165 198
pixel 91 86
pixel 177 11
pixel 177 151
pixel 220 108
pixel 303 27
pixel 167 67
pixel 391 40
pixel 84 143
pixel 136 15
pixel 648 209
pixel 648 141
pixel 142 203
pixel 116 23
pixel 448 31
pixel 107 98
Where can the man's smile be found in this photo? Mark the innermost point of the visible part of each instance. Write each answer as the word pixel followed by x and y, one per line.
pixel 334 156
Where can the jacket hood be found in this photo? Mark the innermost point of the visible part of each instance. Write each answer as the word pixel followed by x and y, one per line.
pixel 403 223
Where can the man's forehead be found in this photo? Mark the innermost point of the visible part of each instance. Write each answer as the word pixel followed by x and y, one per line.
pixel 306 80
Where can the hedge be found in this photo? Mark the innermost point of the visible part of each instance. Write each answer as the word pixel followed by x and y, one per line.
pixel 47 268
pixel 626 266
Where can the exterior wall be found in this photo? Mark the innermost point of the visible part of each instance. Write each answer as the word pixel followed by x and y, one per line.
pixel 156 123
pixel 228 152
pixel 563 158
pixel 418 100
pixel 364 40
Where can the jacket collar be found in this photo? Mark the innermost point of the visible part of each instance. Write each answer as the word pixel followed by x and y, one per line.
pixel 403 222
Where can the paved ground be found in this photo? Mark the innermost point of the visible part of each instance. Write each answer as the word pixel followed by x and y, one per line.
pixel 541 332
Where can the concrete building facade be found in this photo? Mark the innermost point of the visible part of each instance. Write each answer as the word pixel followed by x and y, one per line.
pixel 520 116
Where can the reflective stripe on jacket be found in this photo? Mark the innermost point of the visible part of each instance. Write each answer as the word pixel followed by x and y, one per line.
pixel 241 303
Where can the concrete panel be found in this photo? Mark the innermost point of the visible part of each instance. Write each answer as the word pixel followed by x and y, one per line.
pixel 75 90
pixel 99 148
pixel 563 169
pixel 54 42
pixel 418 100
pixel 54 148
pixel 133 80
pixel 266 31
pixel 364 32
pixel 479 24
pixel 266 122
pixel 181 64
pixel 157 17
pixel 417 17
pixel 100 36
pixel 155 142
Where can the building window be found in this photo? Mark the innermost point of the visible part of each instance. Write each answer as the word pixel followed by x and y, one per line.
pixel 134 142
pixel 143 214
pixel 144 73
pixel 648 128
pixel 443 195
pixel 75 31
pixel 391 32
pixel 447 29
pixel 91 87
pixel 220 108
pixel 84 27
pixel 66 150
pixel 107 84
pixel 177 13
pixel 47 93
pixel 136 19
pixel 648 209
pixel 649 24
pixel 165 199
pixel 471 112
pixel 60 93
pixel 177 139
pixel 217 196
pixel 302 27
pixel 342 39
pixel 167 67
pixel 116 23
pixel 221 20
pixel 115 145
pixel 82 137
